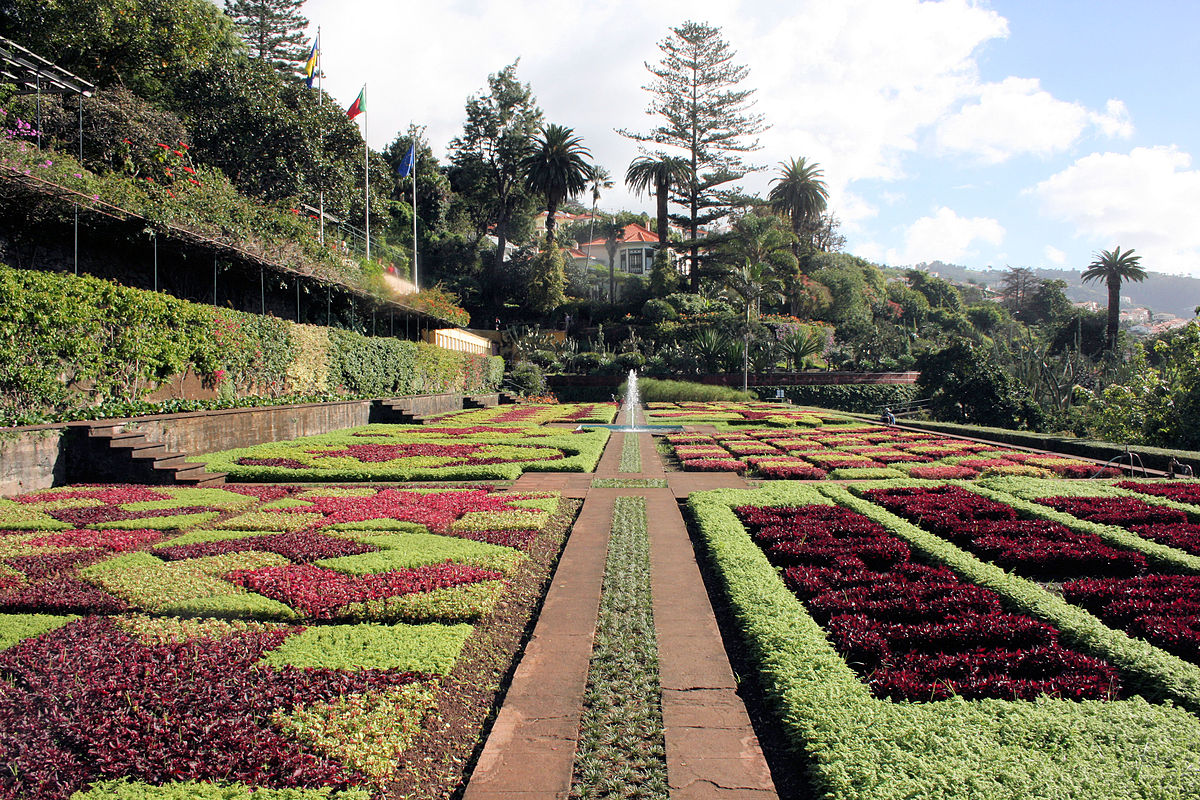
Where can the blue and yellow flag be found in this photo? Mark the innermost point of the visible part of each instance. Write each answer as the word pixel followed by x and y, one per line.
pixel 310 66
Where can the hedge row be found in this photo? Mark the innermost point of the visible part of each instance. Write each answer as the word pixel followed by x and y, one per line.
pixel 69 343
pixel 856 746
pixel 860 397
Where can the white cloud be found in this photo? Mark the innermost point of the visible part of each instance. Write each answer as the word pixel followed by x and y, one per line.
pixel 1145 199
pixel 945 236
pixel 1016 116
pixel 1054 255
pixel 851 84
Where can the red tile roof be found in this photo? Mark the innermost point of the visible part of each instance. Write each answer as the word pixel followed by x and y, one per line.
pixel 632 233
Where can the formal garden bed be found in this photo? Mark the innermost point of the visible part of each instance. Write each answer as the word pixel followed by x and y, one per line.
pixel 533 414
pixel 438 451
pixel 746 413
pixel 857 451
pixel 318 638
pixel 919 639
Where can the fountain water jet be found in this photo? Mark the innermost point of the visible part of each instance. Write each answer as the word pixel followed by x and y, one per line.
pixel 633 402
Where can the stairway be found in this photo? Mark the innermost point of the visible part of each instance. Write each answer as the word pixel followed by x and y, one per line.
pixel 130 456
pixel 395 412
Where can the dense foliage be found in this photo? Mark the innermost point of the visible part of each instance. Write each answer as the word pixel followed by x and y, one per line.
pixel 68 343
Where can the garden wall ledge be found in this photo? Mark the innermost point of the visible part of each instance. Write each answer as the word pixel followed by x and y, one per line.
pixel 40 456
pixel 810 378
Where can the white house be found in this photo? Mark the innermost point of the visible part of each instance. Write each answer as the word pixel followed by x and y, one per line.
pixel 635 251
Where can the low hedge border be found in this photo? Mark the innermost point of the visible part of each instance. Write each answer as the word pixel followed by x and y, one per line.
pixel 858 747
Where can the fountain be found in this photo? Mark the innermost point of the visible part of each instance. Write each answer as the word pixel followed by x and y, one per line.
pixel 633 402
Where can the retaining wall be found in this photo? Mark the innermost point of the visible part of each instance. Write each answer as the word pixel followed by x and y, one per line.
pixel 41 456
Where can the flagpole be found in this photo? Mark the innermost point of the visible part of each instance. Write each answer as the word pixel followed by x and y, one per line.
pixel 366 173
pixel 413 145
pixel 320 138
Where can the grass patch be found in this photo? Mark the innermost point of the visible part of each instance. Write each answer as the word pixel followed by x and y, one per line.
pixel 631 454
pixel 621 751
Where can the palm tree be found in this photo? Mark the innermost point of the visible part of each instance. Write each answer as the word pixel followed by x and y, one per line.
pixel 661 174
pixel 801 194
pixel 556 169
pixel 599 179
pixel 1113 268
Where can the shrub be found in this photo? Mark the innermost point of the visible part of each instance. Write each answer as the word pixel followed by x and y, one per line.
pixel 654 390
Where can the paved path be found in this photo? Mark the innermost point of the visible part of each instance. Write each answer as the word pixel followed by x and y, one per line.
pixel 712 752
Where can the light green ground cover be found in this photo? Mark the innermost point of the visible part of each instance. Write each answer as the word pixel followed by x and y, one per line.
pixel 857 746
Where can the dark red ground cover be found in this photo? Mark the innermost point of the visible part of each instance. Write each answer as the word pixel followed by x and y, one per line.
pixel 915 632
pixel 1163 609
pixel 319 591
pixel 199 710
pixel 286 463
pixel 1031 548
pixel 1183 535
pixel 1181 491
pixel 86 517
pixel 39 567
pixel 61 594
pixel 301 547
pixel 1122 511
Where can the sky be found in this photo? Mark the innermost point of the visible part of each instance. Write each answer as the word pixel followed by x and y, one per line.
pixel 988 134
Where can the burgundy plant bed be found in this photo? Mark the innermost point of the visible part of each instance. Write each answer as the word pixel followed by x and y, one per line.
pixel 914 632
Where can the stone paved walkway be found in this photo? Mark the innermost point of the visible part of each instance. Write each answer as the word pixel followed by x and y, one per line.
pixel 712 751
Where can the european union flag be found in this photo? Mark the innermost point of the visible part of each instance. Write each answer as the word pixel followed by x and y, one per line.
pixel 406 163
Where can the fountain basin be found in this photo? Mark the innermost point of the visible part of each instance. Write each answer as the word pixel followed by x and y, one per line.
pixel 637 428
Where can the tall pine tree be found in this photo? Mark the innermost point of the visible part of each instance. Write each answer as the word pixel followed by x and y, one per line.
pixel 274 30
pixel 707 119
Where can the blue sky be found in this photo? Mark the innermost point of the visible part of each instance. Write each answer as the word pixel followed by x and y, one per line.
pixel 1004 133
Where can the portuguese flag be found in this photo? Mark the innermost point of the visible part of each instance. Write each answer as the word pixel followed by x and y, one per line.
pixel 359 106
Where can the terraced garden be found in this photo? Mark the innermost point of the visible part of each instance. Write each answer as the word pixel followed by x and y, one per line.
pixel 934 618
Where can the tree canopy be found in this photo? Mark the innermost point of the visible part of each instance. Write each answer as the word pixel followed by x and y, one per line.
pixel 705 115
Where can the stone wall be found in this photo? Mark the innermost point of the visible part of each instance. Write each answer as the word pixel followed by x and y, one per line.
pixel 40 456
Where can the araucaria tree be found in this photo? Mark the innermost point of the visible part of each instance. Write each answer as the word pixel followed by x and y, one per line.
pixel 486 160
pixel 1113 268
pixel 273 29
pixel 557 169
pixel 705 118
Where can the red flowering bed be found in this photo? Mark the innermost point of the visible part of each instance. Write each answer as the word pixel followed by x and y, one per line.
pixel 991 530
pixel 1180 491
pixel 911 631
